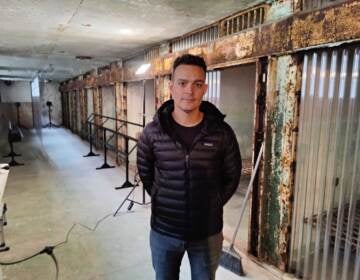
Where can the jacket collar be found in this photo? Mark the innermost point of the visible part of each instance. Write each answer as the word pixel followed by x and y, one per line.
pixel 212 116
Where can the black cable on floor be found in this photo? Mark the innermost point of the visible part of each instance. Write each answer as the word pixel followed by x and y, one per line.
pixel 50 249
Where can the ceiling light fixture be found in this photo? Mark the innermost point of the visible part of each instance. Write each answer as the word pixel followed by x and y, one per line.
pixel 83 57
pixel 142 69
pixel 126 31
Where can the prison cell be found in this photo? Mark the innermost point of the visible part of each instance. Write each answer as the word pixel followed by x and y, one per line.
pixel 232 90
pixel 325 234
pixel 108 109
pixel 136 92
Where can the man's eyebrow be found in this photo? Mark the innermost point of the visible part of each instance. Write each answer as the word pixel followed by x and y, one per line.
pixel 187 81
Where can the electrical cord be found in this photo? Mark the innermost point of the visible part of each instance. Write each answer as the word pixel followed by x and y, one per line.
pixel 50 249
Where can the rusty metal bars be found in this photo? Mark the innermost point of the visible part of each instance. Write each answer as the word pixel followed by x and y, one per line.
pixel 152 53
pixel 243 20
pixel 213 81
pixel 346 199
pixel 325 236
pixel 195 39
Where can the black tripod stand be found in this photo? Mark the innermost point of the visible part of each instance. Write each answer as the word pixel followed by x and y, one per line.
pixel 132 202
pixel 50 124
pixel 14 135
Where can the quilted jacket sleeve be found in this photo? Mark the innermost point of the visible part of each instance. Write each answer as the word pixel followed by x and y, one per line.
pixel 231 165
pixel 145 160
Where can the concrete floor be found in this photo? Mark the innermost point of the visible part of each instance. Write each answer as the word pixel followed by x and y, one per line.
pixel 56 189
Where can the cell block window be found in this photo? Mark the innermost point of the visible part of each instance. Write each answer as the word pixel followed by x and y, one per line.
pixel 244 20
pixel 152 54
pixel 203 36
pixel 308 5
pixel 213 81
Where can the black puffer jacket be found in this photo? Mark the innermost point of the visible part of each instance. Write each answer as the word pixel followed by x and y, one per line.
pixel 189 188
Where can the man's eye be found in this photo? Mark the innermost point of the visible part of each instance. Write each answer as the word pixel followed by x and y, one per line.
pixel 199 85
pixel 181 84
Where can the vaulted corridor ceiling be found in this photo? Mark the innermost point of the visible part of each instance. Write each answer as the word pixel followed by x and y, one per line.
pixel 45 37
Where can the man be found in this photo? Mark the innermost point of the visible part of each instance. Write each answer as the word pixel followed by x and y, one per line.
pixel 189 162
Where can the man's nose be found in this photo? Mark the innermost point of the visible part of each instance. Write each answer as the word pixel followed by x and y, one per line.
pixel 189 89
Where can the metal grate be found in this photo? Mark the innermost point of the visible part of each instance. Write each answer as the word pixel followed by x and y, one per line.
pixel 242 21
pixel 308 5
pixel 325 230
pixel 354 235
pixel 188 41
pixel 152 54
pixel 213 81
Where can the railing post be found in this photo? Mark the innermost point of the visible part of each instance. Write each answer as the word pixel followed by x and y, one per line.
pixel 105 164
pixel 91 153
pixel 127 183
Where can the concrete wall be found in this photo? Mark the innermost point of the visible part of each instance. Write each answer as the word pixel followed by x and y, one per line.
pixel 9 95
pixel 15 92
pixel 78 111
pixel 237 95
pixel 50 92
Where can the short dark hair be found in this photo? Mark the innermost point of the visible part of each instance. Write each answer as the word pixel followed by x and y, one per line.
pixel 189 59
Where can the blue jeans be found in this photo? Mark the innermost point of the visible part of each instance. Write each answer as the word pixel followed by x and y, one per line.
pixel 167 253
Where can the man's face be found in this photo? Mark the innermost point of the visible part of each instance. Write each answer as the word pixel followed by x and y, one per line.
pixel 188 87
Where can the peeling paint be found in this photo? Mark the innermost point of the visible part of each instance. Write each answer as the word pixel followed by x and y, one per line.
pixel 279 9
pixel 279 158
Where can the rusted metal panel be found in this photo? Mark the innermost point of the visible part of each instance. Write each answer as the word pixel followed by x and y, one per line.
pixel 277 194
pixel 103 79
pixel 97 101
pixel 132 65
pixel 90 81
pixel 73 96
pixel 315 28
pixel 115 75
pixel 107 77
pixel 121 113
pixel 258 138
pixel 65 109
pixel 163 65
pixel 326 26
pixel 297 5
pixel 162 90
pixel 280 9
pixel 83 112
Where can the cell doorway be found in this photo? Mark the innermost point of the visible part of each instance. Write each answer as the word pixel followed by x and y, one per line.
pixel 232 90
